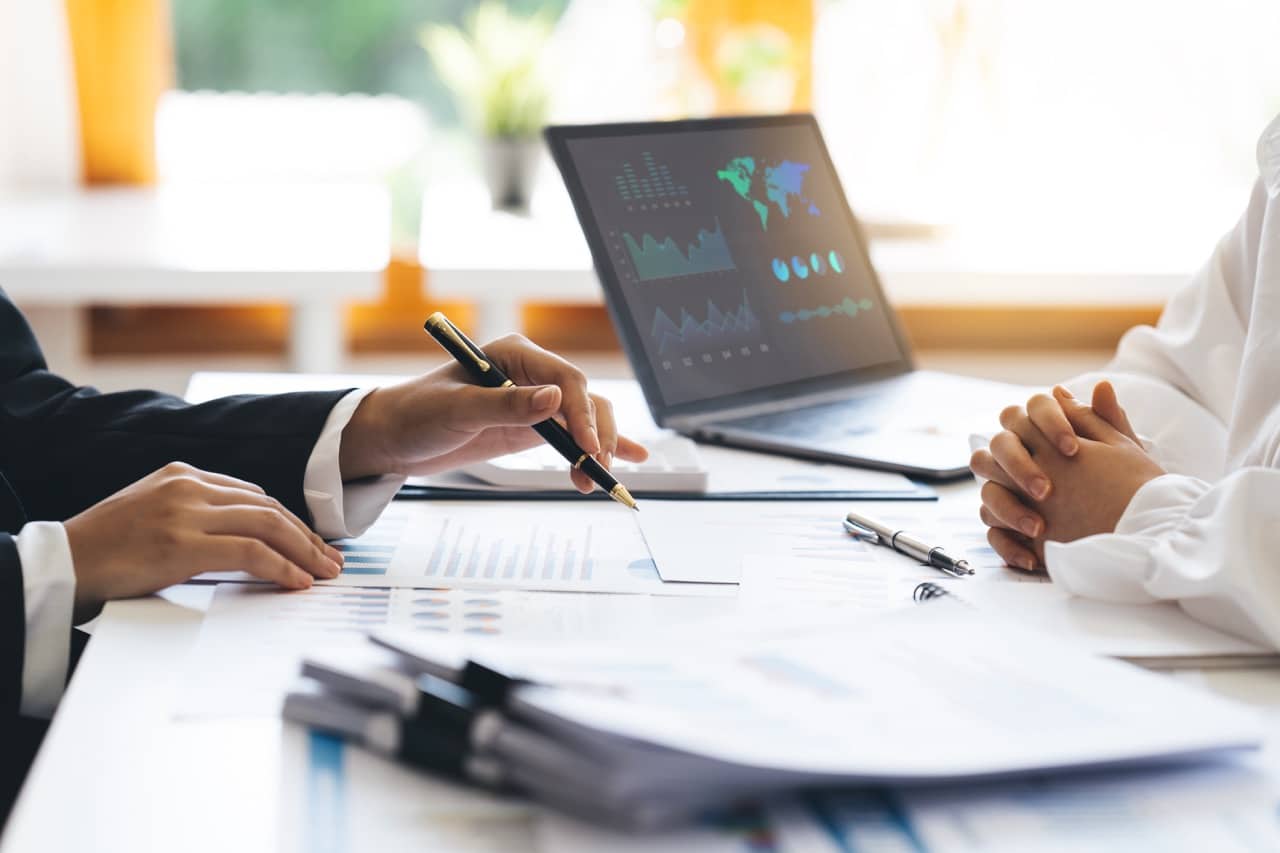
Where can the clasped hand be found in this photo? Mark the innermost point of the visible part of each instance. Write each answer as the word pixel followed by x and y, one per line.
pixel 179 521
pixel 1059 471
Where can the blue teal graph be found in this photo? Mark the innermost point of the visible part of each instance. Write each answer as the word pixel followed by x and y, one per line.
pixel 692 331
pixel 372 553
pixel 800 267
pixel 653 260
pixel 654 182
pixel 848 307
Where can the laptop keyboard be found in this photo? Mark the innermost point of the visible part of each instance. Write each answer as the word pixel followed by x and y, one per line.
pixel 826 420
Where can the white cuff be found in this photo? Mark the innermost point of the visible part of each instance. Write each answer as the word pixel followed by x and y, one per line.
pixel 338 509
pixel 49 590
pixel 1119 566
pixel 1158 507
pixel 1105 567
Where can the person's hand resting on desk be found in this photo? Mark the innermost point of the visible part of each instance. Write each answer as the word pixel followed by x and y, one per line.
pixel 442 420
pixel 1061 470
pixel 180 521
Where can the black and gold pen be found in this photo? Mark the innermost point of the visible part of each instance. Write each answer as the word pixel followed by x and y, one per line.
pixel 486 373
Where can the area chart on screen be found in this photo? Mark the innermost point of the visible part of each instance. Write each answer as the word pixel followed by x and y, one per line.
pixel 715 329
pixel 658 259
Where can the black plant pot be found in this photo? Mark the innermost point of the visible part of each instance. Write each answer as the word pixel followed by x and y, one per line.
pixel 510 169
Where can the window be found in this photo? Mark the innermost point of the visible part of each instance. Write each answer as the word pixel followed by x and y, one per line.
pixel 1088 123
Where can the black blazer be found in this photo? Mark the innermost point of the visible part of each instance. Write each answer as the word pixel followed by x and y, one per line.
pixel 64 448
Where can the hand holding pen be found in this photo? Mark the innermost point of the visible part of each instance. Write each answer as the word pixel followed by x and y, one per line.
pixel 587 439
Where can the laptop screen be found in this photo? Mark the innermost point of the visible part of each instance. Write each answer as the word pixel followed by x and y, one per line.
pixel 728 253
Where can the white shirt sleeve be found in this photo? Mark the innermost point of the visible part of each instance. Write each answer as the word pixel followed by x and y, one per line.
pixel 48 589
pixel 1180 380
pixel 341 509
pixel 1212 548
pixel 1202 385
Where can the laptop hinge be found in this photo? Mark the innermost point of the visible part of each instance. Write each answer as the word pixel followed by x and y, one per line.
pixel 691 423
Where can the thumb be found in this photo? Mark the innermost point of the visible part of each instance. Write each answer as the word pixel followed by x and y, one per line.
pixel 513 406
pixel 1084 420
pixel 1107 405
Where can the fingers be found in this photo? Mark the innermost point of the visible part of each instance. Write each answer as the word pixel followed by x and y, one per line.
pixel 1013 549
pixel 1046 414
pixel 984 467
pixel 1012 456
pixel 581 481
pixel 528 362
pixel 216 479
pixel 1002 508
pixel 481 407
pixel 632 451
pixel 225 553
pixel 606 428
pixel 1107 405
pixel 1086 422
pixel 274 528
pixel 221 496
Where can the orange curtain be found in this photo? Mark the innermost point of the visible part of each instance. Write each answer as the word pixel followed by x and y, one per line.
pixel 123 52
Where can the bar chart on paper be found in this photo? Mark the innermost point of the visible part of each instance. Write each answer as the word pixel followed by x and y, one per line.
pixel 590 548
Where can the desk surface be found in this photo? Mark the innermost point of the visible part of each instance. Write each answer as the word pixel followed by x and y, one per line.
pixel 136 779
pixel 120 772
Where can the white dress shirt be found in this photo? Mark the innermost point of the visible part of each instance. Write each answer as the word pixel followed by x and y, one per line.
pixel 48 575
pixel 1204 387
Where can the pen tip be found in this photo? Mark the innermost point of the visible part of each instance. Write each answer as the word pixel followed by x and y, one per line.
pixel 620 494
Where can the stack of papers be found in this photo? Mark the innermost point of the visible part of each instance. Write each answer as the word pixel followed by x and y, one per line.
pixel 340 797
pixel 644 737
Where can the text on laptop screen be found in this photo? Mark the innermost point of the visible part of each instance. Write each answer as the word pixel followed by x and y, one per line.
pixel 735 257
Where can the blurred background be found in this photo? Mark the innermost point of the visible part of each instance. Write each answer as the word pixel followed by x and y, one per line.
pixel 1030 172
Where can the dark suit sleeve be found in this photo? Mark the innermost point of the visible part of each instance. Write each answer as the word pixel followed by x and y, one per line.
pixel 13 632
pixel 64 448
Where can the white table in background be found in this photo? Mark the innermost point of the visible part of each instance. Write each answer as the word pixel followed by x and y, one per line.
pixel 314 247
pixel 500 261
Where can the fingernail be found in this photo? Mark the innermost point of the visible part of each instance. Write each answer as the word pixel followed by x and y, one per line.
pixel 544 398
pixel 1069 446
pixel 1030 526
pixel 595 442
pixel 607 461
pixel 335 555
pixel 1040 488
pixel 1064 392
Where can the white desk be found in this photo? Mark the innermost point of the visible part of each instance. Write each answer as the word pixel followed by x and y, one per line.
pixel 312 246
pixel 499 261
pixel 119 773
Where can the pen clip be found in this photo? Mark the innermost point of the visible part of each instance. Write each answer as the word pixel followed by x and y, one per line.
pixel 441 323
pixel 857 530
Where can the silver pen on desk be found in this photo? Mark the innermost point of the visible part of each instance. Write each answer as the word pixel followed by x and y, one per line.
pixel 904 543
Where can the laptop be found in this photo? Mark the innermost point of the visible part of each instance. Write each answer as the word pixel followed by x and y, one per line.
pixel 740 284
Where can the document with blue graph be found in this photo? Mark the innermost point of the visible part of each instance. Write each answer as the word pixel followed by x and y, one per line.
pixel 595 547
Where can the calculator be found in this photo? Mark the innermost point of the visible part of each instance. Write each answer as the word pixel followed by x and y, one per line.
pixel 673 466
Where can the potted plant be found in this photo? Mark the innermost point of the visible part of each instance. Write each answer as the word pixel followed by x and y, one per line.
pixel 496 70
